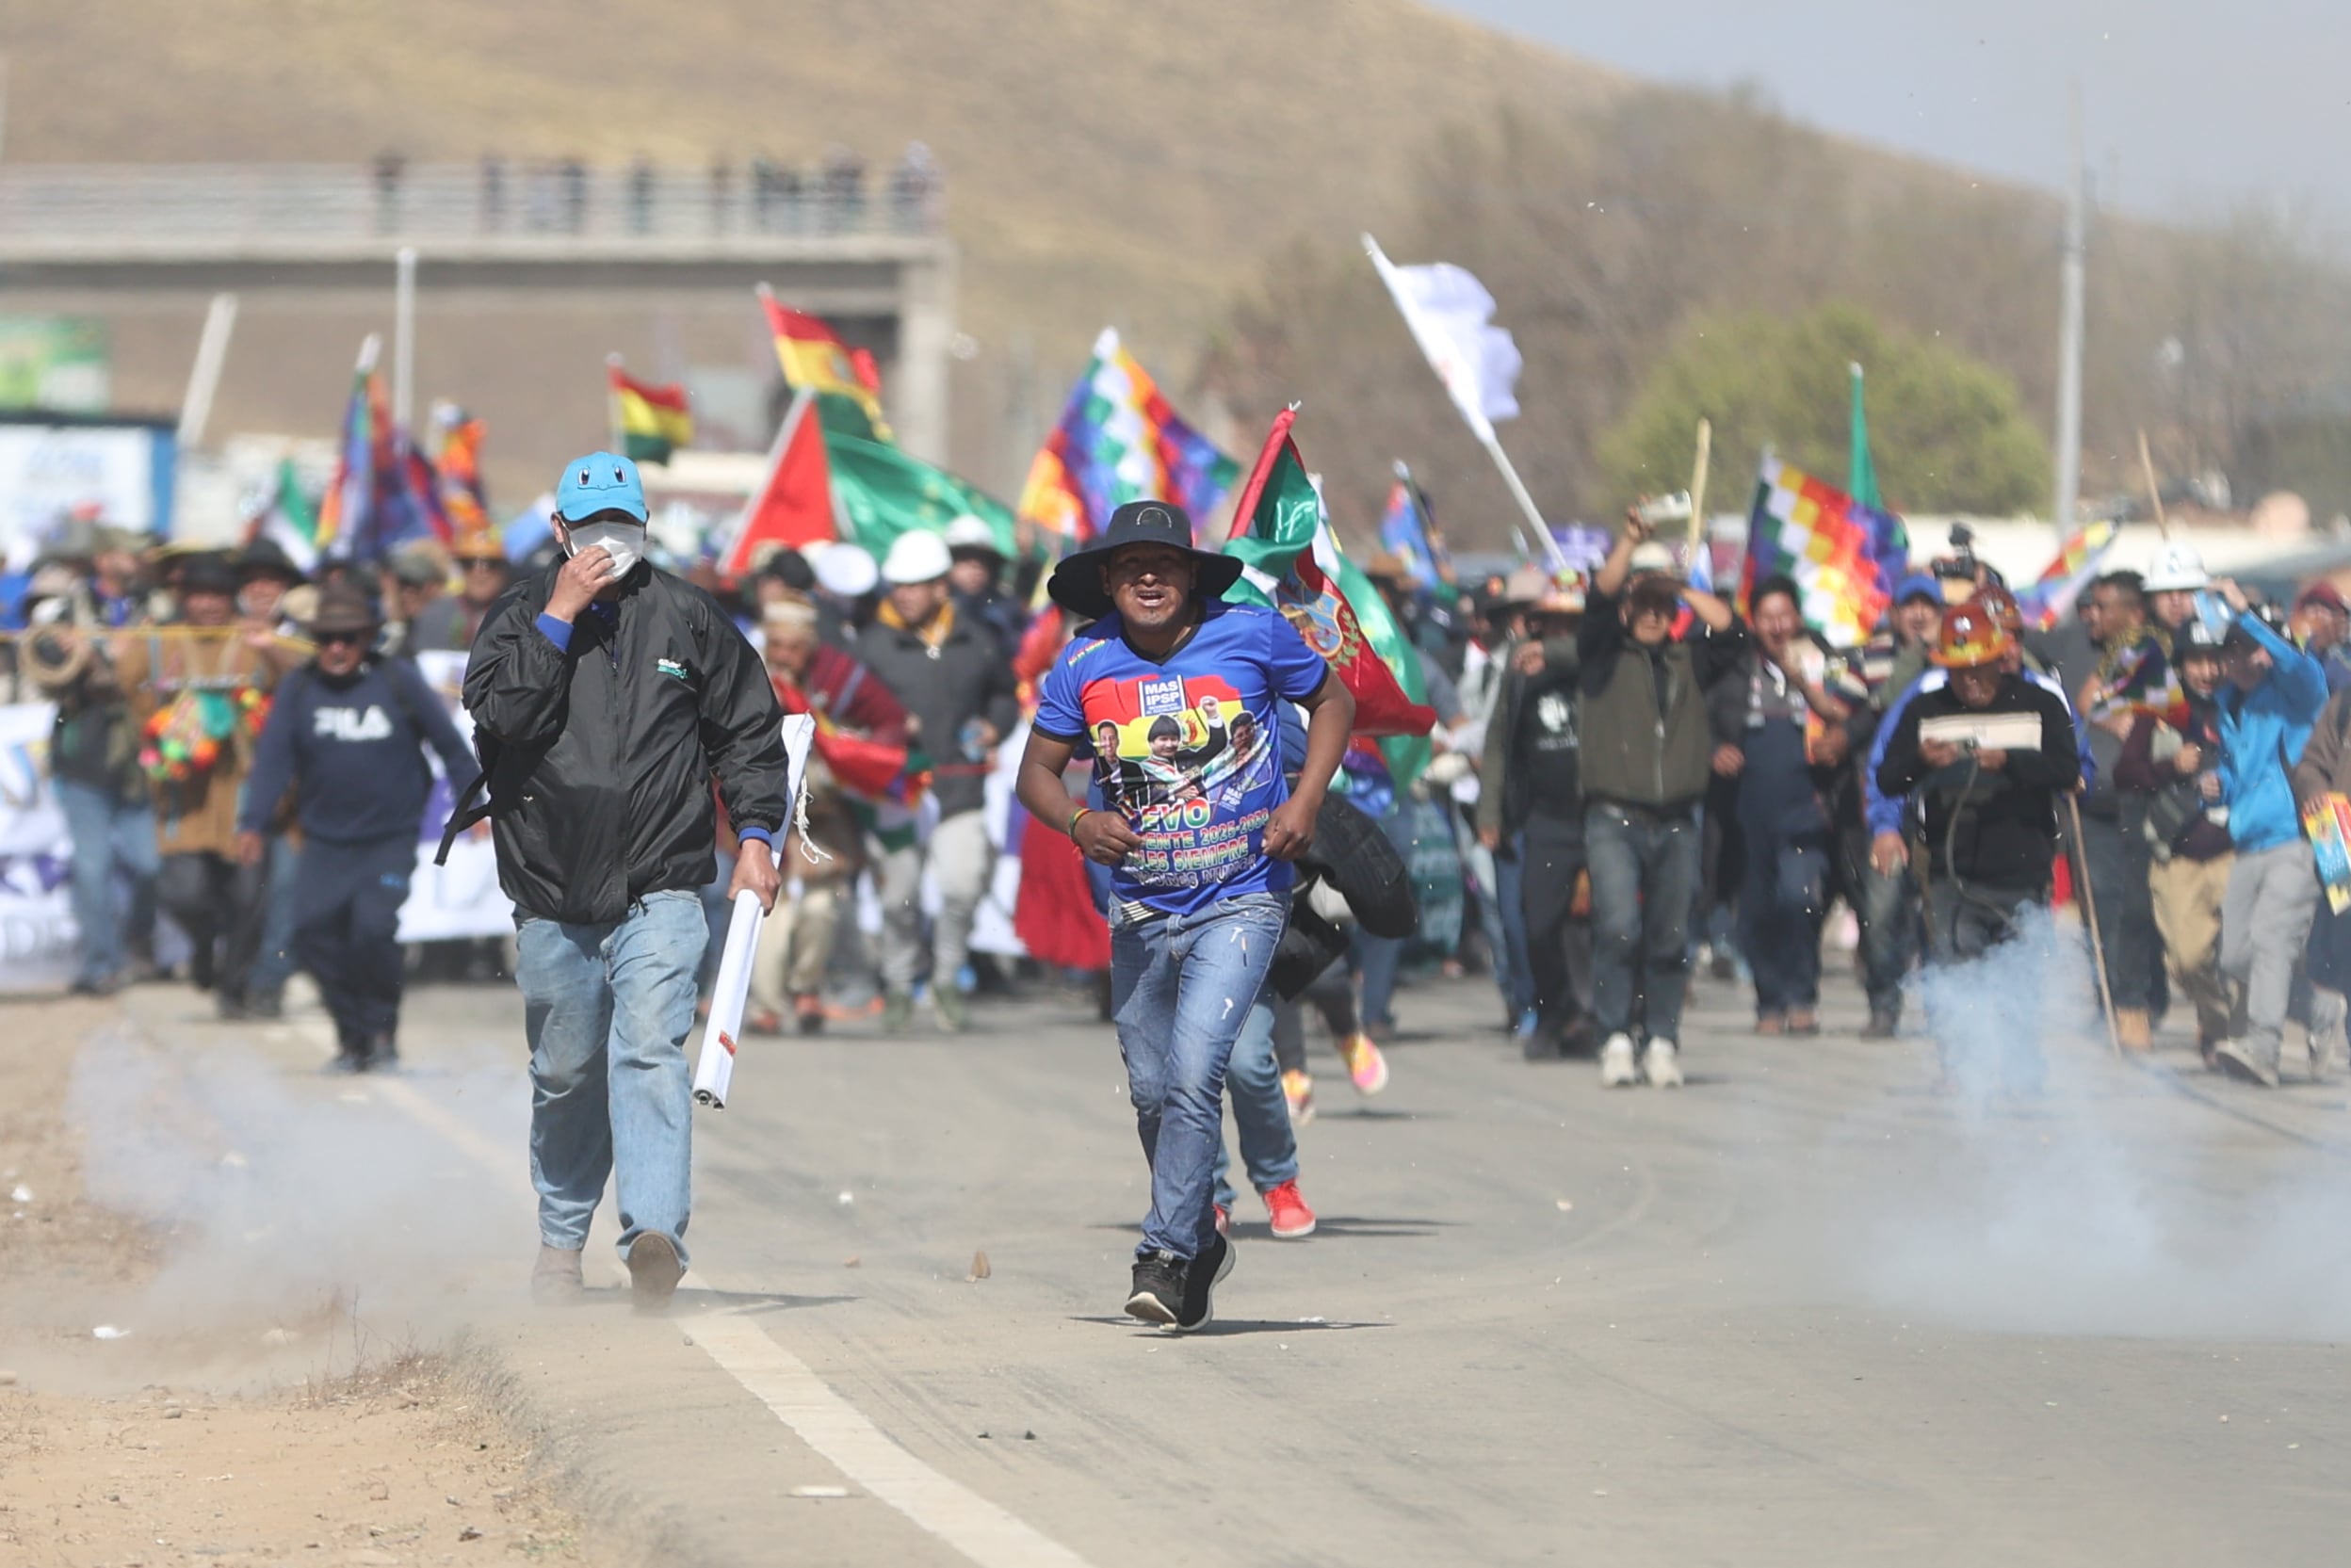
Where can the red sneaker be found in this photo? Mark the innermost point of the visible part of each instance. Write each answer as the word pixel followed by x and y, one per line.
pixel 1289 1212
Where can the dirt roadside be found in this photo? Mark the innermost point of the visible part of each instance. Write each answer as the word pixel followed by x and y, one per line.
pixel 252 1444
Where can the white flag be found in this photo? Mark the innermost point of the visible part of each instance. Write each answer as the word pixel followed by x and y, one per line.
pixel 1452 317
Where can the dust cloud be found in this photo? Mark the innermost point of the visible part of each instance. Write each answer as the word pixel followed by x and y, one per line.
pixel 283 1196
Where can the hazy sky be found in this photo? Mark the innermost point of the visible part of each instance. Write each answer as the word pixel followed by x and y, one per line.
pixel 2189 105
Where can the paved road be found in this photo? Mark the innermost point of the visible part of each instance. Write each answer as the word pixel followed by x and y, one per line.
pixel 1803 1311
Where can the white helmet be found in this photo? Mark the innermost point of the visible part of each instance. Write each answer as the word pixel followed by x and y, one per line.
pixel 971 533
pixel 916 555
pixel 844 568
pixel 2177 569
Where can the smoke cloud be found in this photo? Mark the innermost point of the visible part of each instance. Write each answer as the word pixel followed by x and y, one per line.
pixel 2104 1202
pixel 283 1196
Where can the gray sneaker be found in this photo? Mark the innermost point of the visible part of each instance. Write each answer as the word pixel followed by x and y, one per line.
pixel 954 1008
pixel 555 1280
pixel 898 1010
pixel 2235 1061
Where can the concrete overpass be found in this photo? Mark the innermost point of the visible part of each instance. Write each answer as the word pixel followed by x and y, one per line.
pixel 527 276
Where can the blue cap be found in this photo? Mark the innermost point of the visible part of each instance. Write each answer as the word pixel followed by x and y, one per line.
pixel 601 481
pixel 1916 584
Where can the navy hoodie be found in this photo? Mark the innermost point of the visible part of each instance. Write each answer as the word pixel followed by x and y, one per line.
pixel 354 748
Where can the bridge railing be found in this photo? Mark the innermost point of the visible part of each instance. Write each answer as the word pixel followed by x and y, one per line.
pixel 539 203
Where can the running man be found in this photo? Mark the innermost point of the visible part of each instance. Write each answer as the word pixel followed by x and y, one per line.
pixel 1199 889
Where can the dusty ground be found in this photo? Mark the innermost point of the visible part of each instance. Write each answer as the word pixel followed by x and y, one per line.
pixel 317 1440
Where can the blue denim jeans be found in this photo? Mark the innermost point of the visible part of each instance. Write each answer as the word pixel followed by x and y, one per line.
pixel 1253 1078
pixel 1889 933
pixel 109 833
pixel 1645 867
pixel 608 1009
pixel 1782 901
pixel 1181 988
pixel 275 966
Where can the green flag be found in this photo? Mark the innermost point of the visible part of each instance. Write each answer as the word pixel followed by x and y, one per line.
pixel 1282 538
pixel 1860 473
pixel 881 493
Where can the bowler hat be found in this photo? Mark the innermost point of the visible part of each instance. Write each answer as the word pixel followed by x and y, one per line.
pixel 345 609
pixel 1077 583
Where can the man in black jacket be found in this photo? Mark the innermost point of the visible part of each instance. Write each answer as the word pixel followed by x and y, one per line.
pixel 1644 765
pixel 956 680
pixel 346 733
pixel 607 697
pixel 1531 807
pixel 1988 811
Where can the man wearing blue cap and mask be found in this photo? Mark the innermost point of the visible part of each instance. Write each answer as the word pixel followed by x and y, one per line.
pixel 606 696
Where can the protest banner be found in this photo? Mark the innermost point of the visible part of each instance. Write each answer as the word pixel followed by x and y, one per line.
pixel 38 941
pixel 461 898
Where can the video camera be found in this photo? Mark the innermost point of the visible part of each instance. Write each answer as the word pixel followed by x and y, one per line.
pixel 1961 563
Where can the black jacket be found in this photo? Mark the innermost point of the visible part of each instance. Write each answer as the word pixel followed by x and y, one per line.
pixel 969 676
pixel 600 755
pixel 1994 829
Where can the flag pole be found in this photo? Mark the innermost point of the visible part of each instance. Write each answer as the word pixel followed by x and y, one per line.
pixel 1526 501
pixel 1432 350
pixel 2154 490
pixel 613 367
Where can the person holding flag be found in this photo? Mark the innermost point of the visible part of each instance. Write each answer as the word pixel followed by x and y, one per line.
pixel 852 708
pixel 1199 889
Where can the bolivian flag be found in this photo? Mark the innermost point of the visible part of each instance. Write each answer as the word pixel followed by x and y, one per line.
pixel 653 421
pixel 813 358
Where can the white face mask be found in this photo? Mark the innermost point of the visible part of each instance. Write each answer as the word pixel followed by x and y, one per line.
pixel 623 542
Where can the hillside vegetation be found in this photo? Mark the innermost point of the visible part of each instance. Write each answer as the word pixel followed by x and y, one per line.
pixel 1195 171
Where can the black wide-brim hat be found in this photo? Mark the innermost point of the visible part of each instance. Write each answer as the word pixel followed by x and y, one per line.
pixel 1077 582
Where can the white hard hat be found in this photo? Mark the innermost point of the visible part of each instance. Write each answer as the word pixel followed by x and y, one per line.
pixel 972 533
pixel 844 570
pixel 2177 569
pixel 916 555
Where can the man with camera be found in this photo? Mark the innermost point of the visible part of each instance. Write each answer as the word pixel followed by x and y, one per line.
pixel 1643 754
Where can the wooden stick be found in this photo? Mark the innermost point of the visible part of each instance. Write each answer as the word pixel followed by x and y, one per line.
pixel 2154 494
pixel 1697 485
pixel 2089 913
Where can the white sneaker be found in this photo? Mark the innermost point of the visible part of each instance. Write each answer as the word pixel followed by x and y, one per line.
pixel 1617 1068
pixel 1661 1064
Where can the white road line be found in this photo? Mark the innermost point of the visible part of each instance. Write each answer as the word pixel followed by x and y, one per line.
pixel 861 1451
pixel 746 1351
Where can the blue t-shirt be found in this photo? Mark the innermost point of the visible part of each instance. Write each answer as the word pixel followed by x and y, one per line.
pixel 1187 750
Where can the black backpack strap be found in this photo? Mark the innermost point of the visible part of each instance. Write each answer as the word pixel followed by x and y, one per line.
pixel 463 816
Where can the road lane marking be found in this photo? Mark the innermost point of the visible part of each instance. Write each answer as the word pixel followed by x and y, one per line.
pixel 745 1350
pixel 869 1457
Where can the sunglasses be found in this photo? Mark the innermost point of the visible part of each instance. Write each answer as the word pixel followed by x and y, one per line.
pixel 336 639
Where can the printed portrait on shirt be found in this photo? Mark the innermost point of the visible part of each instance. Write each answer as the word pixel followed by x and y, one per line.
pixel 1185 741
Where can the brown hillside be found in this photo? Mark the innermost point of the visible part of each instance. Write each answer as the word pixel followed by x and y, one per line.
pixel 1105 162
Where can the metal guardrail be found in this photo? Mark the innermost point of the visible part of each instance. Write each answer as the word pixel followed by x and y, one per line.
pixel 539 207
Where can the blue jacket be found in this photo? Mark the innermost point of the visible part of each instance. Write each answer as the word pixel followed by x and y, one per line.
pixel 1884 815
pixel 354 750
pixel 2262 735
